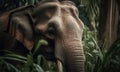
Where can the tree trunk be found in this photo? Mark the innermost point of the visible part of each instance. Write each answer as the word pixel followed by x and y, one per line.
pixel 108 23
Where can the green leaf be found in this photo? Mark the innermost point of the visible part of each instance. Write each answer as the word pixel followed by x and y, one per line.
pixel 15 59
pixel 38 68
pixel 16 56
pixel 40 42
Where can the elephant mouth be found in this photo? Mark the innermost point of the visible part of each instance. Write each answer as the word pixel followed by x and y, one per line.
pixel 48 51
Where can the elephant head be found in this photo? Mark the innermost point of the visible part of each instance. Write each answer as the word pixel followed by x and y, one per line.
pixel 58 23
pixel 55 21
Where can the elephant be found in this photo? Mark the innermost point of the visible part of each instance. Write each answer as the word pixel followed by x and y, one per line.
pixel 55 21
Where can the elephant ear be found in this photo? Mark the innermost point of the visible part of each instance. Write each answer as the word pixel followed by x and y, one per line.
pixel 4 18
pixel 18 23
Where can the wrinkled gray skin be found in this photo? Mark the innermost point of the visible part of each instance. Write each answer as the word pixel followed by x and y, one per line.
pixel 56 22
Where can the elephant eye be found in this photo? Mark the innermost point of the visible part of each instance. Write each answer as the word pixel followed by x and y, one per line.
pixel 51 32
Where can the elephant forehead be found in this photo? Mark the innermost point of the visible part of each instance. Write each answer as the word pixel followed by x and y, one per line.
pixel 53 8
pixel 49 11
pixel 43 4
pixel 61 13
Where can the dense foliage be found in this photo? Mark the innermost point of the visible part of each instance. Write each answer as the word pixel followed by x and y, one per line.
pixel 98 60
pixel 30 63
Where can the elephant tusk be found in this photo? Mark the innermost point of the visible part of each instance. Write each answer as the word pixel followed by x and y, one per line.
pixel 60 66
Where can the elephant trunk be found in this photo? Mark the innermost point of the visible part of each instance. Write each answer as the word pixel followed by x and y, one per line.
pixel 74 58
pixel 71 55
